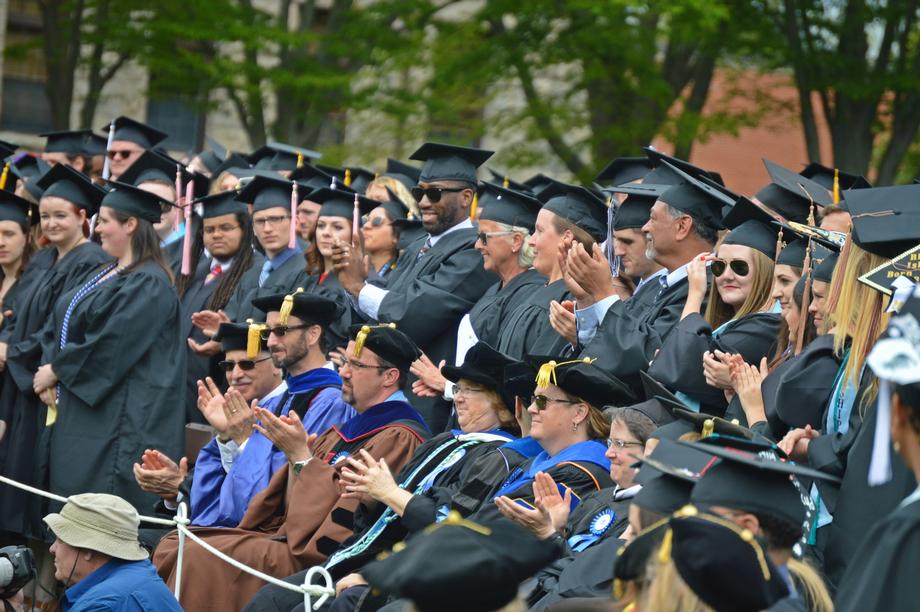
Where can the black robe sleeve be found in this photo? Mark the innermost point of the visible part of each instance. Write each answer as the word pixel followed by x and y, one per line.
pixel 527 330
pixel 806 385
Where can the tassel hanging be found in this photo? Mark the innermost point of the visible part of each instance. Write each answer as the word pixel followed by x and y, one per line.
pixel 363 333
pixel 107 164
pixel 355 222
pixel 664 552
pixel 779 245
pixel 547 372
pixel 836 186
pixel 254 338
pixel 300 160
pixel 474 206
pixel 506 182
pixel 347 181
pixel 295 200
pixel 287 306
pixel 5 176
pixel 187 239
pixel 178 212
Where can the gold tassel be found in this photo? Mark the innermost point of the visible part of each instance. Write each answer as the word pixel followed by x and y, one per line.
pixel 474 206
pixel 836 186
pixel 347 181
pixel 5 175
pixel 51 415
pixel 779 244
pixel 376 175
pixel 287 306
pixel 664 553
pixel 546 375
pixel 363 333
pixel 254 338
pixel 300 160
pixel 618 589
pixel 506 182
pixel 708 426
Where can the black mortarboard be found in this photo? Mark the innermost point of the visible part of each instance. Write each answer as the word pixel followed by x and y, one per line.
pixel 338 203
pixel 667 476
pixel 624 170
pixel 487 563
pixel 706 424
pixel 578 205
pixel 726 566
pixel 28 166
pixel 309 308
pixel 508 183
pixel 539 182
pixel 656 182
pixel 387 342
pixel 444 162
pixel 699 199
pixel 394 207
pixel 824 176
pixel 267 190
pixel 235 163
pixel 656 157
pixel 793 254
pixel 410 230
pixel 7 148
pixel 14 208
pixel 824 271
pixel 154 166
pixel 654 410
pixel 356 179
pixel 653 388
pixel 404 173
pixel 754 444
pixel 632 560
pixel 484 365
pixel 134 131
pixel 221 203
pixel 790 194
pixel 519 380
pixel 62 181
pixel 214 156
pixel 756 483
pixel 279 156
pixel 756 235
pixel 134 201
pixel 886 220
pixel 633 213
pixel 906 264
pixel 312 177
pixel 94 145
pixel 233 336
pixel 507 206
pixel 582 379
pixel 71 142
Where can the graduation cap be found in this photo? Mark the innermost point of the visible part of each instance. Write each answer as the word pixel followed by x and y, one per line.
pixel 154 166
pixel 235 164
pixel 754 234
pixel 62 181
pixel 484 365
pixel 488 562
pixel 632 559
pixel 409 230
pixel 886 220
pixel 387 342
pixel 19 210
pixel 221 203
pixel 633 212
pixel 134 201
pixel 508 183
pixel 356 179
pixel 28 166
pixel 394 207
pixel 582 379
pixel 278 156
pixel 266 190
pixel 790 194
pixel 519 379
pixel 655 411
pixel 312 177
pixel 824 270
pixel 241 337
pixel 667 476
pixel 826 177
pixel 71 142
pixel 508 206
pixel 624 170
pixel 578 205
pixel 94 145
pixel 538 182
pixel 134 131
pixel 753 482
pixel 309 308
pixel 726 566
pixel 699 199
pixel 7 148
pixel 907 265
pixel 214 156
pixel 338 203
pixel 404 173
pixel 444 162
pixel 658 158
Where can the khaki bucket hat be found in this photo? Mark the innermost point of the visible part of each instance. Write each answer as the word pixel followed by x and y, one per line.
pixel 101 522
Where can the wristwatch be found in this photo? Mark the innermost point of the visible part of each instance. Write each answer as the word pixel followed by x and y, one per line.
pixel 298 465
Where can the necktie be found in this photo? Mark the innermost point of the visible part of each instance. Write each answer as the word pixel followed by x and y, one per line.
pixel 266 270
pixel 663 281
pixel 215 272
pixel 425 248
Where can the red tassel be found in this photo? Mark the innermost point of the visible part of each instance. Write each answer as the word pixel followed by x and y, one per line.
pixel 187 240
pixel 355 222
pixel 178 212
pixel 292 241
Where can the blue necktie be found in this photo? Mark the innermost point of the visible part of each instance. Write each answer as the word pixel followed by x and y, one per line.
pixel 663 281
pixel 266 271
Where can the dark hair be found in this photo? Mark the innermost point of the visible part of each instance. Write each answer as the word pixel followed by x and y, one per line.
pixel 780 533
pixel 703 231
pixel 782 340
pixel 27 251
pixel 228 282
pixel 910 398
pixel 145 244
pixel 403 374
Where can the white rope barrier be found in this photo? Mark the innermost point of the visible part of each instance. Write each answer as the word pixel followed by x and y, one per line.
pixel 181 522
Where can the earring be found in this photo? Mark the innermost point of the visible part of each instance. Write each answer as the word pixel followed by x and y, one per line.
pixel 574 426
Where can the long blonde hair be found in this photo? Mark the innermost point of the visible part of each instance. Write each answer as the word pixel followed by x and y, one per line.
pixel 809 582
pixel 718 312
pixel 668 592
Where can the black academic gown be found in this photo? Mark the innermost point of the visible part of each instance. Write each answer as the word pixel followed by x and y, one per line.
pixel 328 286
pixel 286 278
pixel 428 295
pixel 527 330
pixel 634 329
pixel 497 306
pixel 679 364
pixel 884 574
pixel 19 406
pixel 122 384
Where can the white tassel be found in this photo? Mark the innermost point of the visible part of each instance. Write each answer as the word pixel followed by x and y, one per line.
pixel 880 465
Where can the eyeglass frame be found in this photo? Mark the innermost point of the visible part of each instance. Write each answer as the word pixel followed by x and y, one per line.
pixel 273 220
pixel 268 331
pixel 483 237
pixel 376 222
pixel 419 192
pixel 718 262
pixel 239 362
pixel 114 154
pixel 457 390
pixel 540 401
pixel 620 444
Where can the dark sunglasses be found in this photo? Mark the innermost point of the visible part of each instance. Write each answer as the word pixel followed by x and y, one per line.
pixel 483 237
pixel 434 193
pixel 123 154
pixel 375 222
pixel 280 330
pixel 227 365
pixel 738 266
pixel 540 401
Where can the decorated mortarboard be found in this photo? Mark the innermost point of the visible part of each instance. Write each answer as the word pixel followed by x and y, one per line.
pixel 507 206
pixel 699 199
pixel 406 174
pixel 221 203
pixel 26 166
pixel 235 164
pixel 134 131
pixel 64 182
pixel 154 166
pixel 266 190
pixel 312 177
pixel 7 148
pixel 508 183
pixel 658 158
pixel 279 156
pixel 134 201
pixel 753 482
pixel 906 266
pixel 488 562
pixel 828 239
pixel 241 336
pixel 70 142
pixel 484 365
pixel 387 342
pixel 444 162
pixel 338 203
pixel 750 442
pixel 633 212
pixel 19 210
pixel 583 379
pixel 827 177
pixel 624 170
pixel 886 220
pixel 356 179
pixel 578 205
pixel 309 308
pixel 725 565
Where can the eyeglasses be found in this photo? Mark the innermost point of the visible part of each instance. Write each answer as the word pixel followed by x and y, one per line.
pixel 270 220
pixel 122 154
pixel 225 228
pixel 364 366
pixel 227 365
pixel 738 266
pixel 483 237
pixel 540 401
pixel 434 193
pixel 375 222
pixel 280 330
pixel 621 444
pixel 467 391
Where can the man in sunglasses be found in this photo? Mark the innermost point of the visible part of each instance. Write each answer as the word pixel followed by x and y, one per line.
pixel 439 277
pixel 130 140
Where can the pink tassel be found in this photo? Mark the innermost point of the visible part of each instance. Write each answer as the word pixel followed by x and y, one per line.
pixel 178 211
pixel 187 240
pixel 292 241
pixel 355 222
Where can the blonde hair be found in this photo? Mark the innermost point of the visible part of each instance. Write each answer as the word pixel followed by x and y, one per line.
pixel 525 255
pixel 668 592
pixel 811 586
pixel 718 312
pixel 857 310
pixel 561 224
pixel 388 182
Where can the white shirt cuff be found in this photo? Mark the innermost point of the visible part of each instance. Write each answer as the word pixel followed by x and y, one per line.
pixel 229 451
pixel 369 299
pixel 589 318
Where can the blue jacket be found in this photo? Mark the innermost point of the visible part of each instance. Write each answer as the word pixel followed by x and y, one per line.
pixel 125 586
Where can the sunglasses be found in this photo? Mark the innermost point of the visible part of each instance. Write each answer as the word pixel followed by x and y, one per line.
pixel 434 193
pixel 227 365
pixel 122 154
pixel 738 266
pixel 540 401
pixel 483 237
pixel 280 330
pixel 375 222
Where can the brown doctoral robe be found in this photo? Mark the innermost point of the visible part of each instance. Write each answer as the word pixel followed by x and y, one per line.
pixel 289 526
